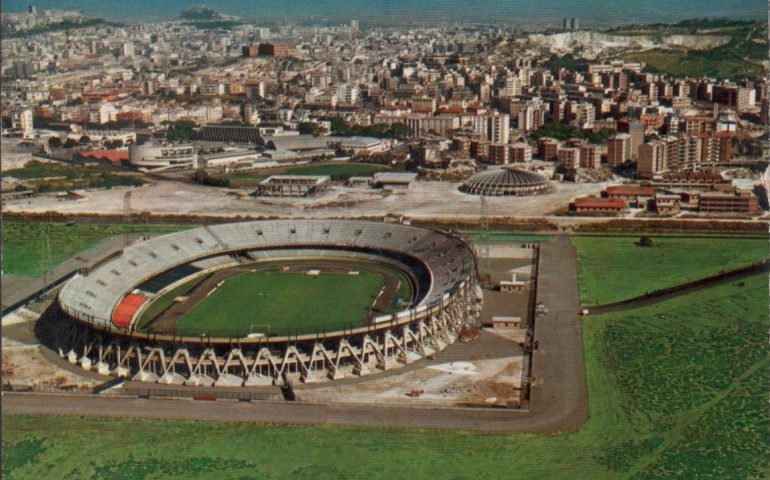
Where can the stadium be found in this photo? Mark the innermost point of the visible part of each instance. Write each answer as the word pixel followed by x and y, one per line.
pixel 263 302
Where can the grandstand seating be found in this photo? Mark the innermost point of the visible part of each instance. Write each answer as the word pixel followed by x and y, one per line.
pixel 448 260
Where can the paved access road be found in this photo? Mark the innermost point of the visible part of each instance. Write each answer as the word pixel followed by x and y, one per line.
pixel 559 390
pixel 488 420
pixel 559 398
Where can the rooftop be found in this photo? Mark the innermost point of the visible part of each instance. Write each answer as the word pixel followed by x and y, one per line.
pixel 113 156
pixel 395 177
pixel 629 190
pixel 507 180
pixel 593 202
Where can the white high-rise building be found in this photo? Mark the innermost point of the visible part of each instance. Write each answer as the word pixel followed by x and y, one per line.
pixel 585 114
pixel 511 87
pixel 347 94
pixel 22 120
pixel 499 128
pixel 128 49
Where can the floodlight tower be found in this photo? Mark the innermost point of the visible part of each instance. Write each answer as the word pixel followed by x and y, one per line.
pixel 46 257
pixel 484 234
pixel 127 217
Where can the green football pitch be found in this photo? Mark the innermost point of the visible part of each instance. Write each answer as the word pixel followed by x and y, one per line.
pixel 283 303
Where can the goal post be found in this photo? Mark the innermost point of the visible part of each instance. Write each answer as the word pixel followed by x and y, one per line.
pixel 259 328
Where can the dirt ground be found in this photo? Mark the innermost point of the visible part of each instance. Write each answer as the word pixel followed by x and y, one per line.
pixel 488 382
pixel 25 366
pixel 423 200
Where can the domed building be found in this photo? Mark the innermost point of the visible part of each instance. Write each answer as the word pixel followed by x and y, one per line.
pixel 506 181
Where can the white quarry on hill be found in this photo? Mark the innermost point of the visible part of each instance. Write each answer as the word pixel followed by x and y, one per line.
pixel 590 45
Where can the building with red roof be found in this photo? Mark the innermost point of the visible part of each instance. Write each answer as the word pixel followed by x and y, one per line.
pixel 110 157
pixel 632 195
pixel 601 206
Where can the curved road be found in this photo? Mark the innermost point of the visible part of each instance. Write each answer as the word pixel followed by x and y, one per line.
pixel 558 397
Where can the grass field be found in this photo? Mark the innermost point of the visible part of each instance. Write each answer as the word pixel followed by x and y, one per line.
pixel 677 390
pixel 290 302
pixel 615 268
pixel 502 236
pixel 338 172
pixel 23 243
pixel 59 176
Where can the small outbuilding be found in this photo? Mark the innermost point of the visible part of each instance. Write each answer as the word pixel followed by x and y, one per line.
pixel 394 180
pixel 511 286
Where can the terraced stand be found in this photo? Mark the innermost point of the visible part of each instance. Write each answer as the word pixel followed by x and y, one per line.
pixel 106 303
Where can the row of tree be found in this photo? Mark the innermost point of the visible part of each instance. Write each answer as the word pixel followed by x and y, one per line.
pixel 181 131
pixel 378 130
pixel 56 142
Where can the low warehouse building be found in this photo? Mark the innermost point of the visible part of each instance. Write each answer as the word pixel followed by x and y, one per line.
pixel 600 206
pixel 740 202
pixel 393 180
pixel 292 185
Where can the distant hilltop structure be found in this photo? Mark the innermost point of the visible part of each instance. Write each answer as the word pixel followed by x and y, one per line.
pixel 570 24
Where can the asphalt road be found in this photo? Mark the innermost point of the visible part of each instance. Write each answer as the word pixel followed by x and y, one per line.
pixel 559 389
pixel 502 420
pixel 559 398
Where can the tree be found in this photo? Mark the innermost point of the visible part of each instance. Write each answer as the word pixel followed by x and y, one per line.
pixel 181 131
pixel 85 139
pixel 645 242
pixel 341 127
pixel 378 130
pixel 70 142
pixel 54 142
pixel 309 128
pixel 202 177
pixel 400 130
